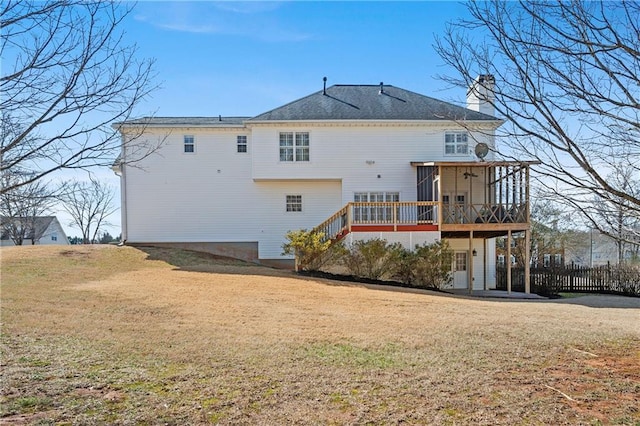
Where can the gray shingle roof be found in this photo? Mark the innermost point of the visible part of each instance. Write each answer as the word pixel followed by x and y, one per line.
pixel 366 102
pixel 186 121
pixel 340 102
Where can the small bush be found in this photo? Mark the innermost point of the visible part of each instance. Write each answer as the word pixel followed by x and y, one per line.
pixel 433 265
pixel 626 280
pixel 373 259
pixel 428 266
pixel 310 248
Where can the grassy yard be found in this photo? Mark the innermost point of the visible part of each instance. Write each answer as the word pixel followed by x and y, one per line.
pixel 107 335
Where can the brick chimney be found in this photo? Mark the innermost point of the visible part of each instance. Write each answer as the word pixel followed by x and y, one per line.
pixel 480 95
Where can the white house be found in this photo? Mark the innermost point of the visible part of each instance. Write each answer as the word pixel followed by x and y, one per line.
pixel 38 230
pixel 356 161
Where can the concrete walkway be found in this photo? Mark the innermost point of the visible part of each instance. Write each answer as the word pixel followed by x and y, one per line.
pixel 500 294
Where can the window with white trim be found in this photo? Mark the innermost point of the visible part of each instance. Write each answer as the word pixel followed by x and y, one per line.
pixel 456 143
pixel 460 261
pixel 294 203
pixel 376 213
pixel 189 144
pixel 294 146
pixel 241 142
pixel 54 237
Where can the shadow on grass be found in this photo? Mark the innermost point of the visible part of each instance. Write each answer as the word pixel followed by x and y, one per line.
pixel 193 261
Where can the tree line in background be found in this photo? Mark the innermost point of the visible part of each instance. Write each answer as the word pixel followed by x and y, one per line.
pixel 105 238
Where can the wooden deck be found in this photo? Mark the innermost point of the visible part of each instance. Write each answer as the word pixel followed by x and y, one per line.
pixel 454 221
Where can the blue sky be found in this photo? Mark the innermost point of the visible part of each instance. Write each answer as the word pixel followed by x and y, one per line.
pixel 245 58
pixel 235 58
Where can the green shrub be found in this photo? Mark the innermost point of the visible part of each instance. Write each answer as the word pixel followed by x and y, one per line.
pixel 310 248
pixel 373 259
pixel 428 266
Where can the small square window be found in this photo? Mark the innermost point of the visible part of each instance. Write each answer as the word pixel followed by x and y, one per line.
pixel 54 237
pixel 294 203
pixel 189 144
pixel 242 143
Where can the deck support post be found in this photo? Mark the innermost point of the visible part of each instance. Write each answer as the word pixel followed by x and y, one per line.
pixel 508 261
pixel 470 261
pixel 484 263
pixel 527 261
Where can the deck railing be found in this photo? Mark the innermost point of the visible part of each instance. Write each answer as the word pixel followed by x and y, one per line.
pixel 398 213
pixel 336 226
pixel 484 213
pixel 382 213
pixel 418 213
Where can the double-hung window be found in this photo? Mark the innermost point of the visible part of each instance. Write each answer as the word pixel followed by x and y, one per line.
pixel 241 142
pixel 456 143
pixel 189 144
pixel 378 213
pixel 294 203
pixel 294 146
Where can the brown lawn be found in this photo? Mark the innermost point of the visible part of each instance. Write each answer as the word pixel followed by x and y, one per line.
pixel 107 335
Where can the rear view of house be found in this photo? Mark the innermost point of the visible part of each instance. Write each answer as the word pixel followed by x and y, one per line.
pixel 355 161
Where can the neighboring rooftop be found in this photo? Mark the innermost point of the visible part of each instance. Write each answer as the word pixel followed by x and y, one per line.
pixel 41 223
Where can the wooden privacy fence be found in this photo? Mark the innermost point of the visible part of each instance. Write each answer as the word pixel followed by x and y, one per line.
pixel 621 279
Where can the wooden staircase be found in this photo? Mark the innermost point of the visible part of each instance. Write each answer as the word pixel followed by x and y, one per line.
pixel 337 226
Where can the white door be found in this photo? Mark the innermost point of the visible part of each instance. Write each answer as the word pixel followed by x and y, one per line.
pixel 460 274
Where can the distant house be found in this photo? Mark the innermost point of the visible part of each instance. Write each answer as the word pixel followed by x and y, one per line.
pixel 600 250
pixel 40 230
pixel 355 162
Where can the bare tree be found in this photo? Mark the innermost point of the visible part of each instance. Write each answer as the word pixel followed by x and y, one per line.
pixel 89 204
pixel 66 75
pixel 568 84
pixel 615 216
pixel 21 206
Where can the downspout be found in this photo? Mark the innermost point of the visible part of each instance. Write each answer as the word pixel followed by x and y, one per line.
pixel 120 171
pixel 123 203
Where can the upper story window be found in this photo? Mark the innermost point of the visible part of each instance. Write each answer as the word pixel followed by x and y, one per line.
pixel 456 143
pixel 294 146
pixel 54 237
pixel 242 143
pixel 189 143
